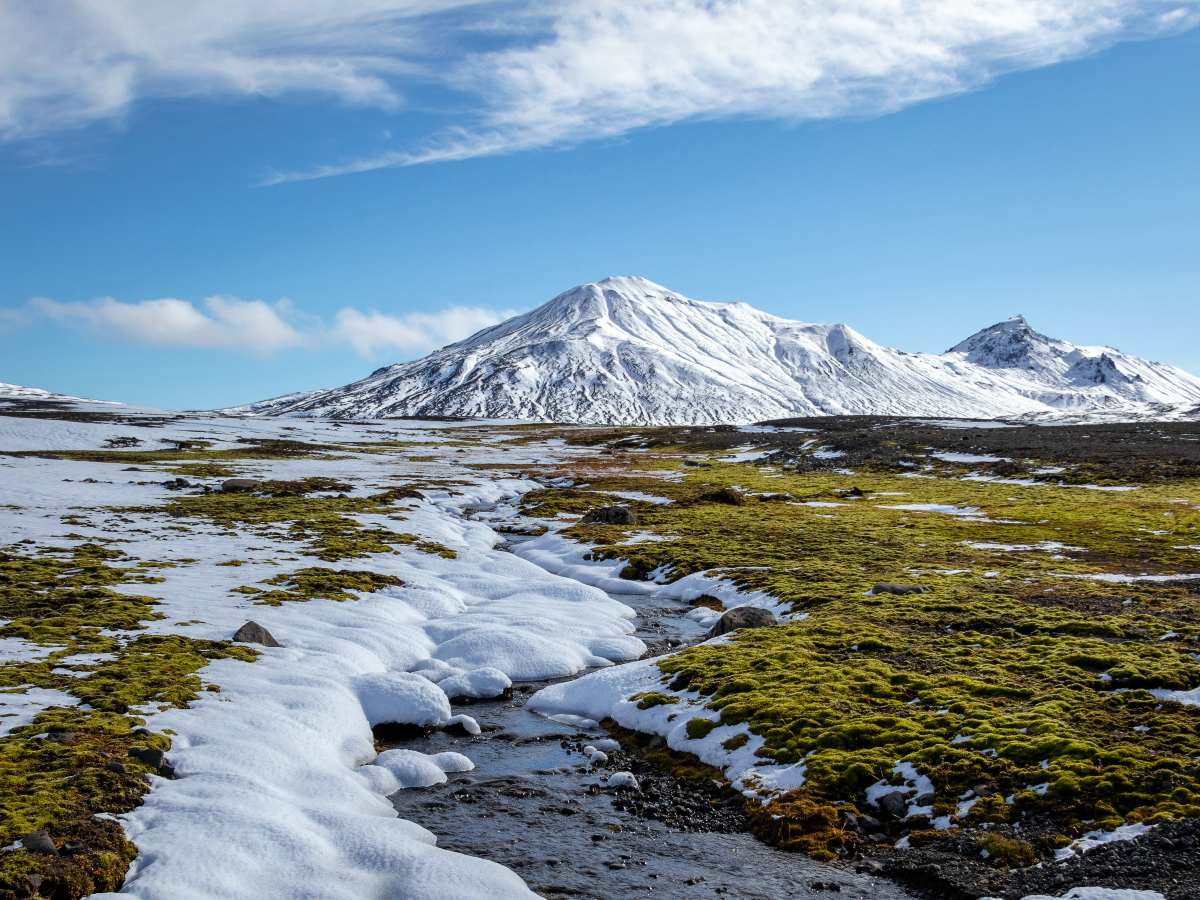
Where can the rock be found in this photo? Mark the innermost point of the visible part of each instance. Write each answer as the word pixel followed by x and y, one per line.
pixel 156 759
pixel 925 799
pixel 724 495
pixel 236 485
pixel 888 587
pixel 39 842
pixel 895 804
pixel 854 492
pixel 742 617
pixel 253 633
pixel 177 484
pixel 610 515
pixel 622 780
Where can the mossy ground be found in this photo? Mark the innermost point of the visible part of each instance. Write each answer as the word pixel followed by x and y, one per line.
pixel 303 511
pixel 71 763
pixel 319 583
pixel 1015 675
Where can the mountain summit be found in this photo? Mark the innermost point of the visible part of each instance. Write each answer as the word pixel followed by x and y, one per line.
pixel 628 351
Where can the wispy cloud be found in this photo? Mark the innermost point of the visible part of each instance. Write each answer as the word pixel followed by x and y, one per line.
pixel 232 323
pixel 71 62
pixel 224 323
pixel 560 71
pixel 372 332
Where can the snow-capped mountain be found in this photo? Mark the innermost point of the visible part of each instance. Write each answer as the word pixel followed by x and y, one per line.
pixel 20 392
pixel 626 350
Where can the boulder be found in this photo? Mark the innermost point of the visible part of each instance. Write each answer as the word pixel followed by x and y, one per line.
pixel 724 495
pixel 742 617
pixel 895 804
pixel 39 842
pixel 888 587
pixel 253 633
pixel 155 759
pixel 610 515
pixel 240 485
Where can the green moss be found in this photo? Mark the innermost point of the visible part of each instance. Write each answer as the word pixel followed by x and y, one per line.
pixel 736 742
pixel 649 699
pixel 71 763
pixel 698 727
pixel 316 583
pixel 992 677
pixel 326 524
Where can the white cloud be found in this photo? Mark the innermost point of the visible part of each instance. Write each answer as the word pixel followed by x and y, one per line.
pixel 562 71
pixel 71 62
pixel 372 332
pixel 231 323
pixel 600 68
pixel 225 323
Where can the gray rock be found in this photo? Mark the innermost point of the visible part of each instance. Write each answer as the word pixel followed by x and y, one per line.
pixel 150 756
pixel 724 495
pixel 888 587
pixel 742 617
pixel 610 515
pixel 39 842
pixel 253 633
pixel 925 799
pixel 235 485
pixel 895 804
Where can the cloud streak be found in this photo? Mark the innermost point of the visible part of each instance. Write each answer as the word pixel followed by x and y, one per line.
pixel 372 332
pixel 557 72
pixel 232 323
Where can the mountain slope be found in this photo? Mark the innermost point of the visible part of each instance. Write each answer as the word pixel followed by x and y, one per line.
pixel 626 350
pixel 19 392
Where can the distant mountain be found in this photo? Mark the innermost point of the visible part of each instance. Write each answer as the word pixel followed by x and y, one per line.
pixel 19 392
pixel 629 351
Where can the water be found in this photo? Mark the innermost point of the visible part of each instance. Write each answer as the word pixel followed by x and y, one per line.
pixel 532 804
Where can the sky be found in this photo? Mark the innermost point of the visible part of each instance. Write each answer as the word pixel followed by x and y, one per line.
pixel 209 204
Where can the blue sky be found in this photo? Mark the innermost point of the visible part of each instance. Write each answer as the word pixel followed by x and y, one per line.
pixel 1049 169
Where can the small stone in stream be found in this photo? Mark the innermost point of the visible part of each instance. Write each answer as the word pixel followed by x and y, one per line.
pixel 39 842
pixel 924 799
pixel 610 515
pixel 895 804
pixel 253 633
pixel 742 617
pixel 177 484
pixel 235 485
pixel 887 587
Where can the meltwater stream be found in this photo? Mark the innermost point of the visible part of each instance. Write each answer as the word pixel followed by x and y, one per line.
pixel 533 805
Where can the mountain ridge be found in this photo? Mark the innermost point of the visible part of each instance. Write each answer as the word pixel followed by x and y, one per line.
pixel 625 350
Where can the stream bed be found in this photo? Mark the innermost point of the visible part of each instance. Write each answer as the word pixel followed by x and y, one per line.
pixel 534 804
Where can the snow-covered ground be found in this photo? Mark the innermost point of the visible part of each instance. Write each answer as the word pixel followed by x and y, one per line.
pixel 280 792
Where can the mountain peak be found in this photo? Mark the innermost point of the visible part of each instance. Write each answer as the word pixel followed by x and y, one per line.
pixel 1011 344
pixel 626 350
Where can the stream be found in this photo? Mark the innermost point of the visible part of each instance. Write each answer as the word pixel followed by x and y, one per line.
pixel 534 804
